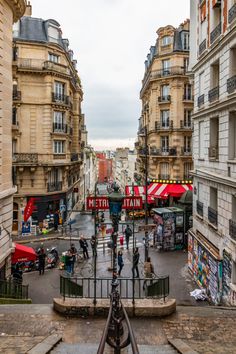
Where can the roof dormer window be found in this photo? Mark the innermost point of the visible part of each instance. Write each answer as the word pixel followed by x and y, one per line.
pixel 166 40
pixel 53 34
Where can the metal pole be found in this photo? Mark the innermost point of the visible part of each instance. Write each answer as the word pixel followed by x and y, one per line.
pixel 133 248
pixel 95 249
pixel 146 194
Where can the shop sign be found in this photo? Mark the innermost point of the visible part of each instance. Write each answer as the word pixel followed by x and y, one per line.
pixel 26 228
pixel 102 203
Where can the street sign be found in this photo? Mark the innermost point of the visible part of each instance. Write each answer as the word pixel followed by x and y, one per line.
pixel 62 208
pixel 148 227
pixel 102 203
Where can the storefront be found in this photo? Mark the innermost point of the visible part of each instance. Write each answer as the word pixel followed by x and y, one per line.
pixel 206 265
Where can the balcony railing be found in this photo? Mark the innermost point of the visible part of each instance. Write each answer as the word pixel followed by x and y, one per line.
pixel 215 33
pixel 25 158
pixel 213 94
pixel 232 13
pixel 232 229
pixel 186 125
pixel 212 216
pixel 60 128
pixel 164 126
pixel 186 151
pixel 231 84
pixel 54 186
pixel 163 99
pixel 202 47
pixel 187 97
pixel 16 95
pixel 213 152
pixel 60 98
pixel 10 289
pixel 200 208
pixel 200 100
pixel 164 151
pixel 50 65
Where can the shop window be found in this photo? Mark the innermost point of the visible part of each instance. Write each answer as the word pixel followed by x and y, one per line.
pixel 232 136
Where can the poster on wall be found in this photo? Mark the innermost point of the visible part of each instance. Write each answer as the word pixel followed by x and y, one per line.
pixel 26 228
pixel 227 273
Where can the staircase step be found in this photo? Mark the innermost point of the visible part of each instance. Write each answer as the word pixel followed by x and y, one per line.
pixel 87 348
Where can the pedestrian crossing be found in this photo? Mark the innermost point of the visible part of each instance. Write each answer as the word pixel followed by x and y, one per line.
pixel 103 242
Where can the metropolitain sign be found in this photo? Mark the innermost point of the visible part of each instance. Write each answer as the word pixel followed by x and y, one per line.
pixel 102 203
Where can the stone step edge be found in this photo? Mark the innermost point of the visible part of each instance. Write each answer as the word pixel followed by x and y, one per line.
pixel 46 345
pixel 181 346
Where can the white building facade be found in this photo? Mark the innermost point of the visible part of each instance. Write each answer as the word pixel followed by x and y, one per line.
pixel 212 240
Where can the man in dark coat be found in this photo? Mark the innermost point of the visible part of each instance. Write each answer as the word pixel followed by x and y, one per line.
pixel 84 246
pixel 136 256
pixel 128 233
pixel 42 257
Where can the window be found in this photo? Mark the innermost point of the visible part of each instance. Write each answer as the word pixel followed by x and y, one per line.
pixel 185 41
pixel 59 147
pixel 165 90
pixel 187 168
pixel 53 34
pixel 201 140
pixel 55 175
pixel 214 138
pixel 14 146
pixel 187 118
pixel 165 144
pixel 166 40
pixel 164 170
pixel 14 116
pixel 58 122
pixel 232 136
pixel 166 67
pixel 186 64
pixel 59 88
pixel 213 198
pixel 232 62
pixel 53 57
pixel 187 143
pixel 201 83
pixel 214 74
pixel 165 115
pixel 187 92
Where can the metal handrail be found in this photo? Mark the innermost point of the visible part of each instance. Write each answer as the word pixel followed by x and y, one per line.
pixel 131 332
pixel 105 332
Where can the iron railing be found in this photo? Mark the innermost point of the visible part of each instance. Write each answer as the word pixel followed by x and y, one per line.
pixel 60 98
pixel 213 94
pixel 166 98
pixel 232 229
pixel 187 97
pixel 10 289
pixel 25 158
pixel 215 33
pixel 185 151
pixel 200 208
pixel 231 84
pixel 212 216
pixel 76 287
pixel 232 13
pixel 200 100
pixel 185 124
pixel 59 128
pixel 202 47
pixel 54 186
pixel 164 125
pixel 164 152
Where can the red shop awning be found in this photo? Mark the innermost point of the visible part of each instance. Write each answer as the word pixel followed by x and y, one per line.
pixel 163 191
pixel 23 254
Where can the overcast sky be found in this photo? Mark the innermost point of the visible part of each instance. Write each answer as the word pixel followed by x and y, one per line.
pixel 111 39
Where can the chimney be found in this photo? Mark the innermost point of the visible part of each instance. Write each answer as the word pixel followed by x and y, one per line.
pixel 28 11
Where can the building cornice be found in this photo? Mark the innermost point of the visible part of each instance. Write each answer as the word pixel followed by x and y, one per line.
pixel 18 8
pixel 213 177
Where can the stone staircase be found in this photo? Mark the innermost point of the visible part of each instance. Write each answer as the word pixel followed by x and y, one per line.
pixel 64 348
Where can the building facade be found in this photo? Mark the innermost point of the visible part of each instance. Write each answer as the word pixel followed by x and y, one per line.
pixel 212 241
pixel 10 11
pixel 165 126
pixel 46 121
pixel 104 168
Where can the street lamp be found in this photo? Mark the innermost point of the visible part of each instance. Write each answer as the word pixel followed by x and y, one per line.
pixel 144 134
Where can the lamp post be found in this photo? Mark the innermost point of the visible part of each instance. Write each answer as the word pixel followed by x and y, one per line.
pixel 95 248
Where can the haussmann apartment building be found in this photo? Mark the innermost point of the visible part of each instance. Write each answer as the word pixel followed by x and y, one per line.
pixel 165 125
pixel 10 11
pixel 212 241
pixel 46 120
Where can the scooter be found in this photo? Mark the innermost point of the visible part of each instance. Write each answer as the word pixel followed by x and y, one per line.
pixel 52 258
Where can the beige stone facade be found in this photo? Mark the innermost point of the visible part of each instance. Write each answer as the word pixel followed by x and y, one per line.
pixel 167 103
pixel 9 12
pixel 46 121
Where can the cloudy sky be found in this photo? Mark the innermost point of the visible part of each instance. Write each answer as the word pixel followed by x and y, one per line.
pixel 110 39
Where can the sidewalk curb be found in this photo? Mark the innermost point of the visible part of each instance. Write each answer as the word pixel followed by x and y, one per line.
pixel 181 346
pixel 46 345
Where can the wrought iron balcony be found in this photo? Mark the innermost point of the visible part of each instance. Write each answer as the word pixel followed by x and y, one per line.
pixel 60 128
pixel 163 99
pixel 231 84
pixel 200 100
pixel 54 186
pixel 232 13
pixel 202 47
pixel 25 158
pixel 74 157
pixel 60 98
pixel 213 152
pixel 186 125
pixel 212 216
pixel 185 151
pixel 213 94
pixel 215 33
pixel 16 95
pixel 232 229
pixel 164 126
pixel 187 97
pixel 200 208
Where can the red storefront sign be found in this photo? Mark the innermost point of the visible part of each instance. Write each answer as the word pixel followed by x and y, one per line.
pixel 29 209
pixel 102 203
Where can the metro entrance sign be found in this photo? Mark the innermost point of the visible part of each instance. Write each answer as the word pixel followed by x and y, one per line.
pixel 102 203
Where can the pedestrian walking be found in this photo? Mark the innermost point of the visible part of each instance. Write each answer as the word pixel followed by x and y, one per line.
pixel 73 251
pixel 93 242
pixel 68 261
pixel 84 246
pixel 120 262
pixel 148 271
pixel 128 233
pixel 136 257
pixel 56 220
pixel 42 257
